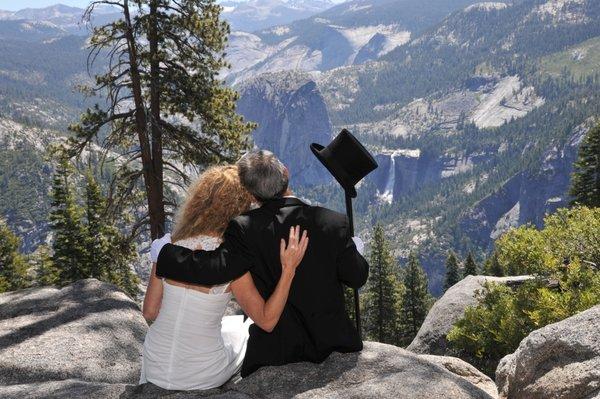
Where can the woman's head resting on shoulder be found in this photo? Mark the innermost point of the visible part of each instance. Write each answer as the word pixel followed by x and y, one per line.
pixel 216 197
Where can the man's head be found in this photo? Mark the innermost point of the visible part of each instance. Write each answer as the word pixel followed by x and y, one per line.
pixel 263 175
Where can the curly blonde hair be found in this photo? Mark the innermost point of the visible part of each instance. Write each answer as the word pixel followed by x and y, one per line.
pixel 216 197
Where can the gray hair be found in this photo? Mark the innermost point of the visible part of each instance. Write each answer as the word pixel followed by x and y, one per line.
pixel 263 175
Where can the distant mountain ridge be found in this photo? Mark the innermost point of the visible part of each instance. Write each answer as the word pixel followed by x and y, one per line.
pixel 247 15
pixel 59 16
pixel 252 15
pixel 472 123
pixel 350 33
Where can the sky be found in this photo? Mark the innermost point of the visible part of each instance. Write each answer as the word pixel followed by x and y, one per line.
pixel 14 5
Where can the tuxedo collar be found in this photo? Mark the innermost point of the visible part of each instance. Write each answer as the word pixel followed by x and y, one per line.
pixel 283 202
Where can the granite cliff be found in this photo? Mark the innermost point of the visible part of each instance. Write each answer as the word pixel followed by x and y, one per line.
pixel 291 114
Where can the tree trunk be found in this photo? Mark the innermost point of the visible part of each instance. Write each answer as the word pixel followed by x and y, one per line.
pixel 153 193
pixel 155 122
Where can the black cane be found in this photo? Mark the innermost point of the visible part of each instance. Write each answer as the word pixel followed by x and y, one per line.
pixel 351 222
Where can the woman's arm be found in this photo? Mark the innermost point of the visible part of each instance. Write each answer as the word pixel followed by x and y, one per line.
pixel 267 314
pixel 153 297
pixel 226 263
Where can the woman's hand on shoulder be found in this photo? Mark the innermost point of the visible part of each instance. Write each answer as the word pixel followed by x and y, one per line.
pixel 292 254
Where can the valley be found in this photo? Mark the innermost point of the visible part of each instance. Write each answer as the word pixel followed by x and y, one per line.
pixel 474 111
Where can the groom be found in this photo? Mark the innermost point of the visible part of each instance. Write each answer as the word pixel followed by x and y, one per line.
pixel 314 322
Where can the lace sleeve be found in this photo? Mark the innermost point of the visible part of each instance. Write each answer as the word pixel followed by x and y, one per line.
pixel 219 289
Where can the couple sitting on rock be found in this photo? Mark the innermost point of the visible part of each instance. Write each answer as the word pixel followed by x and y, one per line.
pixel 228 241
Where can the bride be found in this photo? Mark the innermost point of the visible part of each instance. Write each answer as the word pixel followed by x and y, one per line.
pixel 190 345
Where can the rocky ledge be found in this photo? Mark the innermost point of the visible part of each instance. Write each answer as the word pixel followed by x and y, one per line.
pixel 561 360
pixel 85 340
pixel 88 331
pixel 431 338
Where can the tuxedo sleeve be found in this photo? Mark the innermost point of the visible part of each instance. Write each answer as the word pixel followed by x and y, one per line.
pixel 226 263
pixel 353 269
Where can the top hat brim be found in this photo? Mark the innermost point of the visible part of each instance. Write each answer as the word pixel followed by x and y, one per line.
pixel 336 170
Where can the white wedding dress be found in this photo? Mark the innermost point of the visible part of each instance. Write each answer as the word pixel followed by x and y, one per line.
pixel 191 345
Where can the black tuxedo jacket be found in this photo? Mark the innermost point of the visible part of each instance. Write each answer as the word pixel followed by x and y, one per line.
pixel 314 322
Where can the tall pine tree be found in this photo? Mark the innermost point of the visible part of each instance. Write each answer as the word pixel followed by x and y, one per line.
pixel 382 298
pixel 97 240
pixel 163 95
pixel 13 268
pixel 110 254
pixel 66 221
pixel 417 299
pixel 471 267
pixel 452 270
pixel 585 181
pixel 493 266
pixel 86 244
pixel 46 272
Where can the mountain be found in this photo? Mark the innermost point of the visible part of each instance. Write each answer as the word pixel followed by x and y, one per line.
pixel 25 179
pixel 527 196
pixel 245 16
pixel 38 78
pixel 40 68
pixel 254 15
pixel 31 31
pixel 475 124
pixel 474 116
pixel 349 33
pixel 291 105
pixel 59 16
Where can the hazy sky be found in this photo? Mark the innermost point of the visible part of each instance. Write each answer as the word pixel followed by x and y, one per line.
pixel 14 5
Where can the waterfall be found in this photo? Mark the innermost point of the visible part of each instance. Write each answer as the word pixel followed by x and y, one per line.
pixel 408 160
pixel 388 191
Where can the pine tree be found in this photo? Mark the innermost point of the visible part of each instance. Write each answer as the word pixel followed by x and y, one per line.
pixel 161 84
pixel 119 272
pixel 382 298
pixel 585 181
pixel 45 270
pixel 86 242
pixel 417 299
pixel 97 244
pixel 66 220
pixel 471 268
pixel 110 253
pixel 13 268
pixel 452 270
pixel 493 266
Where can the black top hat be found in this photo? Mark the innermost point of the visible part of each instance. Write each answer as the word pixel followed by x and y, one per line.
pixel 346 159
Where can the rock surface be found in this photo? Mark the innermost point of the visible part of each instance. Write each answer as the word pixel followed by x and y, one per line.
pixel 85 341
pixel 561 360
pixel 89 331
pixel 431 338
pixel 291 114
pixel 465 370
pixel 72 389
pixel 379 371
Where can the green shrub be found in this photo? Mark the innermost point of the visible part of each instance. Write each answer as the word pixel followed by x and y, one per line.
pixel 568 234
pixel 564 258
